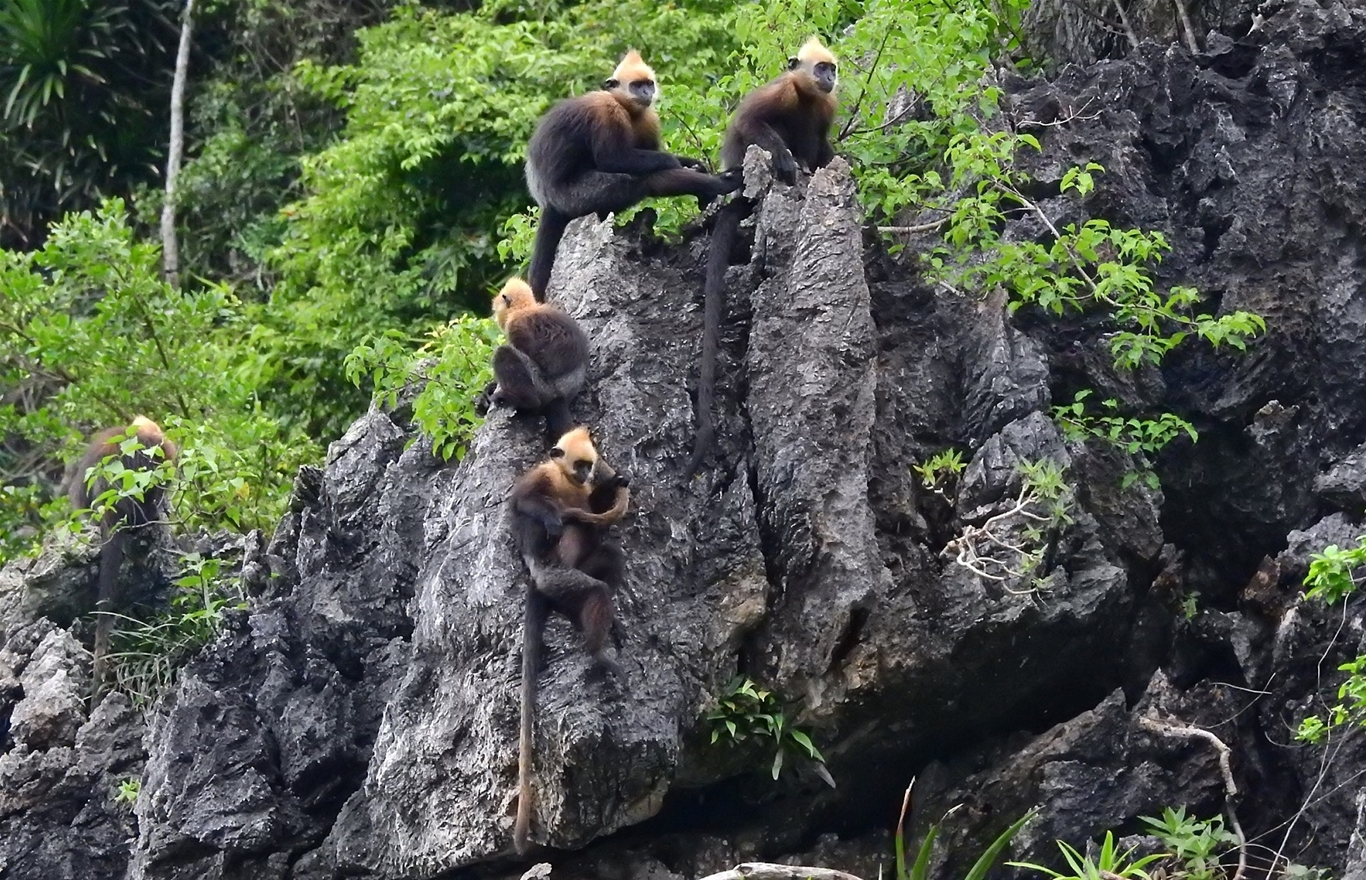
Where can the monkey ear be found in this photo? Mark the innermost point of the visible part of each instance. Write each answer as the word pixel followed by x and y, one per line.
pixel 556 452
pixel 610 84
pixel 793 63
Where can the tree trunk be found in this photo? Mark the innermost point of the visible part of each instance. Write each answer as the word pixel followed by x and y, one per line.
pixel 170 247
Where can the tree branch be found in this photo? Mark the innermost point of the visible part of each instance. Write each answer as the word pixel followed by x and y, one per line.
pixel 768 871
pixel 170 246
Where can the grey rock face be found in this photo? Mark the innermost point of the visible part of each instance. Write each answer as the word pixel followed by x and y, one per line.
pixel 360 720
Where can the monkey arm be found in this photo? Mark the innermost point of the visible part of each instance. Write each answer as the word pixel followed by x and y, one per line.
pixel 543 510
pixel 825 153
pixel 607 517
pixel 614 154
pixel 763 135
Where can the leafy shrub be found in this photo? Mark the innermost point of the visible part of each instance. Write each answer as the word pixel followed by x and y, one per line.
pixel 89 337
pixel 746 712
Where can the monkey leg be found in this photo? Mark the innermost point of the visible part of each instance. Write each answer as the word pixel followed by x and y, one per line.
pixel 548 234
pixel 520 383
pixel 585 600
pixel 689 182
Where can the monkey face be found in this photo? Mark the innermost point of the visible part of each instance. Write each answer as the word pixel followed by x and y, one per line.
pixel 825 76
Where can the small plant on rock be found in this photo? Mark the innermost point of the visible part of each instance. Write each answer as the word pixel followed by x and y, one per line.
pixel 147 653
pixel 128 791
pixel 920 869
pixel 1335 574
pixel 748 712
pixel 1108 864
pixel 939 472
pixel 1196 843
pixel 1010 545
pixel 1128 433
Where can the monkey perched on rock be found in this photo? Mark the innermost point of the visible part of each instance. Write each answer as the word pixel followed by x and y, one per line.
pixel 599 153
pixel 790 118
pixel 125 514
pixel 544 363
pixel 562 508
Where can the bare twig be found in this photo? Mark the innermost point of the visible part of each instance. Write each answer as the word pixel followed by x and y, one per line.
pixel 1187 27
pixel 980 560
pixel 1128 29
pixel 1179 731
pixel 170 246
pixel 910 230
pixel 768 871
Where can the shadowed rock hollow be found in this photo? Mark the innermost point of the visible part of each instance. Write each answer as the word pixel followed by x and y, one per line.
pixel 361 719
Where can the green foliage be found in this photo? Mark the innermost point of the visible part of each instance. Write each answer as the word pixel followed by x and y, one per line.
pixel 1334 575
pixel 747 712
pixel 1196 843
pixel 920 869
pixel 1108 864
pixel 1008 546
pixel 940 469
pixel 452 366
pixel 90 336
pixel 1133 435
pixel 128 791
pixel 81 83
pixel 145 654
pixel 1078 267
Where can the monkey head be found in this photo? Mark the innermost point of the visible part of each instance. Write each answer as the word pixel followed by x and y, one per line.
pixel 633 83
pixel 578 460
pixel 816 62
pixel 516 294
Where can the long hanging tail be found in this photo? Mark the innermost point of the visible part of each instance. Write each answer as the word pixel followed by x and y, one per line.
pixel 548 234
pixel 111 557
pixel 531 650
pixel 558 419
pixel 718 259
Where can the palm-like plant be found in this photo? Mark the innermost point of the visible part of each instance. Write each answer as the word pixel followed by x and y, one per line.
pixel 82 84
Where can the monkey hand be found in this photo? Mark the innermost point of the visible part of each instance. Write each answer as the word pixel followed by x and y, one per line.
pixel 487 399
pixel 695 164
pixel 785 166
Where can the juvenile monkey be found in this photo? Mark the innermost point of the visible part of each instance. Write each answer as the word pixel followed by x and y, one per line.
pixel 599 153
pixel 562 508
pixel 544 363
pixel 790 118
pixel 124 515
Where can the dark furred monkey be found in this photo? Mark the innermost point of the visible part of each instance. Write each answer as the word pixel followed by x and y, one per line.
pixel 790 118
pixel 125 514
pixel 544 363
pixel 562 508
pixel 599 153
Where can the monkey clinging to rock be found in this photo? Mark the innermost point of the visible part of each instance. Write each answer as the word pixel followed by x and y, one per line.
pixel 561 510
pixel 544 363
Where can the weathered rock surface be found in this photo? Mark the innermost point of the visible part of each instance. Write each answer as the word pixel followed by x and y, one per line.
pixel 360 720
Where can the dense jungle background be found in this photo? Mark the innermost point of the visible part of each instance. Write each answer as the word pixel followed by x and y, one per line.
pixel 1040 476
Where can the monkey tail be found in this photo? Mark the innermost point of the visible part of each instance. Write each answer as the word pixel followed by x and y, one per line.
pixel 531 650
pixel 714 292
pixel 558 419
pixel 111 557
pixel 548 234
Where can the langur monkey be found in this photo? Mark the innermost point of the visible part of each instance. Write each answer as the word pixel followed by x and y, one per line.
pixel 544 363
pixel 561 511
pixel 125 514
pixel 599 153
pixel 790 118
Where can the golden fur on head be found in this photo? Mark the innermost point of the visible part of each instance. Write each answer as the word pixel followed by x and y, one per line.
pixel 632 68
pixel 515 295
pixel 633 84
pixel 813 52
pixel 577 445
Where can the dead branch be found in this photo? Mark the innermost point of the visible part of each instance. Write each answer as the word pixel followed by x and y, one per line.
pixel 1128 29
pixel 1162 728
pixel 768 871
pixel 1186 27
